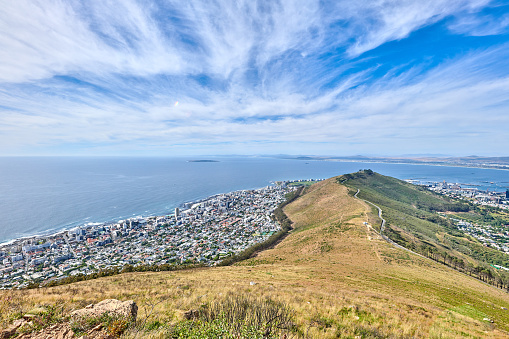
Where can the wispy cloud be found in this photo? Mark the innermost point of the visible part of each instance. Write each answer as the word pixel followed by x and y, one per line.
pixel 381 21
pixel 260 76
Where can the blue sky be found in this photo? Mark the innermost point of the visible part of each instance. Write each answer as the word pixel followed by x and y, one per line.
pixel 254 77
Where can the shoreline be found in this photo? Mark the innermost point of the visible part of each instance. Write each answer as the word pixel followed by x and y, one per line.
pixel 229 222
pixel 58 231
pixel 494 167
pixel 77 224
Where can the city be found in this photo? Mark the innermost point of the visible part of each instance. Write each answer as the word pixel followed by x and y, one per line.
pixel 494 234
pixel 472 194
pixel 203 233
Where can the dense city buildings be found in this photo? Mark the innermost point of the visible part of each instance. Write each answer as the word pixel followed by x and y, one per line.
pixel 472 194
pixel 494 234
pixel 202 232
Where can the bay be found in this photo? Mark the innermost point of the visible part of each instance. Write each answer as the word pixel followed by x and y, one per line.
pixel 43 194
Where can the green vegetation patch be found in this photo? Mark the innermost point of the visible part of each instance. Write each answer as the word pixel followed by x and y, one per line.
pixel 416 219
pixel 470 311
pixel 232 317
pixel 302 183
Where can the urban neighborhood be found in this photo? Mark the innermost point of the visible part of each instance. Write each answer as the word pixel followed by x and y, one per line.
pixel 489 233
pixel 203 232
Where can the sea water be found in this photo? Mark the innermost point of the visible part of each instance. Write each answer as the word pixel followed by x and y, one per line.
pixel 43 194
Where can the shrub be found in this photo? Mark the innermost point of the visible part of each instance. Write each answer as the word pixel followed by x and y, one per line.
pixel 114 324
pixel 246 313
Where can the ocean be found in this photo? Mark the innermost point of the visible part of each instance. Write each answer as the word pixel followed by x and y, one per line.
pixel 46 194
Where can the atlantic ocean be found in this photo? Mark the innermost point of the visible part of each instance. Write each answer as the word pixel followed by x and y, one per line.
pixel 45 194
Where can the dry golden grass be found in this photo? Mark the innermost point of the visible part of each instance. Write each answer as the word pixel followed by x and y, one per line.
pixel 338 275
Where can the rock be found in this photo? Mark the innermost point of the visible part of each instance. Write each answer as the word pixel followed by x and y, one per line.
pixel 64 334
pixel 488 320
pixel 252 283
pixel 18 323
pixel 191 314
pixel 11 330
pixel 97 328
pixel 57 331
pixel 127 309
pixel 8 332
pixel 503 308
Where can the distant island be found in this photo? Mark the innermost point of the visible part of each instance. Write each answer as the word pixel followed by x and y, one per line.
pixel 202 161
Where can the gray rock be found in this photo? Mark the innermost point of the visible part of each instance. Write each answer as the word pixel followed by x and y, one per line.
pixel 127 309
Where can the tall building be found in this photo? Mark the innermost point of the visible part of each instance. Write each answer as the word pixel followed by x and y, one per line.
pixel 507 194
pixel 177 213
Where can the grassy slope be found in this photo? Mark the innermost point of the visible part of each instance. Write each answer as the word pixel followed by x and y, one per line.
pixel 408 208
pixel 337 274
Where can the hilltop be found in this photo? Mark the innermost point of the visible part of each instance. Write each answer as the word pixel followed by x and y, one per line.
pixel 334 272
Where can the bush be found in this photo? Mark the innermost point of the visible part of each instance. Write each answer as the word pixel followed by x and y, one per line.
pixel 216 329
pixel 237 317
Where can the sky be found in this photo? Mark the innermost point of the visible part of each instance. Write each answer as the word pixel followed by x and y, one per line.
pixel 174 78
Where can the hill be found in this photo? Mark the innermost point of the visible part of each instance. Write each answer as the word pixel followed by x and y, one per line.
pixel 333 273
pixel 413 222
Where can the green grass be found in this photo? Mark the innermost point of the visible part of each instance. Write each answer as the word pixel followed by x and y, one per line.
pixel 302 183
pixel 470 311
pixel 412 220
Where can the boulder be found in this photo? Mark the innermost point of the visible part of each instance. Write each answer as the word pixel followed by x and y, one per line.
pixel 127 309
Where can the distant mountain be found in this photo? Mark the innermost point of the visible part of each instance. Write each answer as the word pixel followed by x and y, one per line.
pixel 468 161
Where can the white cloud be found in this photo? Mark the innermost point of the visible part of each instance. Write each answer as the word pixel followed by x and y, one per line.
pixel 480 25
pixel 268 80
pixel 375 22
pixel 444 104
pixel 44 38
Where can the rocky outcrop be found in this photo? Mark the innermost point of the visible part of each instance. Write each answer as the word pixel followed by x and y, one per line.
pixel 57 331
pixel 9 331
pixel 63 331
pixel 127 309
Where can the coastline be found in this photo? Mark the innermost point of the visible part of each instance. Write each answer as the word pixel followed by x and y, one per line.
pixel 230 222
pixel 166 203
pixel 55 231
pixel 505 168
